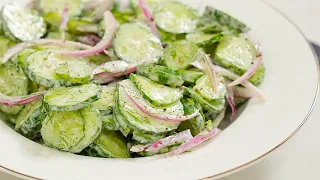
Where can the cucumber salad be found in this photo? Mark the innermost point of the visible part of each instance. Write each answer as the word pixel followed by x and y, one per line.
pixel 124 78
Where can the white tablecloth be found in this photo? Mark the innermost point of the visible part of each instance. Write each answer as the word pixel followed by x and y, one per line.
pixel 299 158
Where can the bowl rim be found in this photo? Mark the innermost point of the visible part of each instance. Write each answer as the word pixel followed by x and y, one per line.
pixel 253 161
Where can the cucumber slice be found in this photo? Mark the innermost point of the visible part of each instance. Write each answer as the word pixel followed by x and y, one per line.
pixel 56 7
pixel 22 24
pixel 73 98
pixel 23 57
pixel 161 74
pixel 145 138
pixel 73 27
pixel 92 128
pixel 108 123
pixel 51 70
pixel 107 101
pixel 235 53
pixel 13 82
pixel 58 35
pixel 5 44
pixel 175 17
pixel 212 107
pixel 138 44
pixel 180 54
pixel 197 124
pixel 157 94
pixel 258 77
pixel 71 131
pixel 63 130
pixel 120 120
pixel 75 71
pixel 110 144
pixel 220 21
pixel 204 39
pixel 29 120
pixel 191 76
pixel 204 88
pixel 139 121
pixel 169 76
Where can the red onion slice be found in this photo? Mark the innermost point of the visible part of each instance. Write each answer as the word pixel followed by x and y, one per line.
pixel 195 141
pixel 254 91
pixel 64 21
pixel 251 71
pixel 162 116
pixel 139 148
pixel 114 69
pixel 110 30
pixel 149 17
pixel 20 100
pixel 40 42
pixel 230 99
pixel 171 140
pixel 165 142
pixel 203 62
pixel 240 92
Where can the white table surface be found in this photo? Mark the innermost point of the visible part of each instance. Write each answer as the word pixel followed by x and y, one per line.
pixel 299 158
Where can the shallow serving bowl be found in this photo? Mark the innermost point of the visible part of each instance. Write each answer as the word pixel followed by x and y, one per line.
pixel 290 86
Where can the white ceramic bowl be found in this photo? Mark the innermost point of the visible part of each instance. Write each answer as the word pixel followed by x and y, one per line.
pixel 291 86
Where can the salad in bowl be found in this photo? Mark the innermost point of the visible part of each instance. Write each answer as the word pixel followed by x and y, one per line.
pixel 124 79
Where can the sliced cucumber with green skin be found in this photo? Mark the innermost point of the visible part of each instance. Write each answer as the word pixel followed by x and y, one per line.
pixel 108 123
pixel 30 119
pixel 120 120
pixel 180 54
pixel 58 35
pixel 51 70
pixel 191 76
pixel 23 57
pixel 223 21
pixel 157 94
pixel 13 82
pixel 145 138
pixel 22 24
pixel 235 53
pixel 204 39
pixel 169 76
pixel 110 144
pixel 72 98
pixel 74 27
pixel 71 131
pixel 204 88
pixel 175 17
pixel 75 71
pixel 92 128
pixel 161 74
pixel 75 6
pixel 215 106
pixel 197 124
pixel 107 101
pixel 5 44
pixel 258 76
pixel 138 44
pixel 139 121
